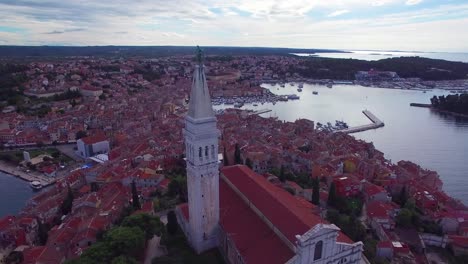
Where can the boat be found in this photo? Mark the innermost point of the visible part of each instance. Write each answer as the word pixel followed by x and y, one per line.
pixel 36 185
pixel 299 89
pixel 238 104
pixel 282 85
pixel 255 104
pixel 301 85
pixel 329 85
pixel 292 84
pixel 315 92
pixel 293 97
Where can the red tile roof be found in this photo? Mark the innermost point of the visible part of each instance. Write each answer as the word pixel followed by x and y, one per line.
pixel 256 242
pixel 93 139
pixel 291 215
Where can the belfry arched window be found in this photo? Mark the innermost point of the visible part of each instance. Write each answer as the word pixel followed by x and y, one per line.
pixel 318 250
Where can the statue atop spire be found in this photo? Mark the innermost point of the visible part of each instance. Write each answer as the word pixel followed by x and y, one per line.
pixel 199 55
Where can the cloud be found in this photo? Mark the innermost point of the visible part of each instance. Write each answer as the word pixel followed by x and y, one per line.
pixel 65 31
pixel 413 2
pixel 292 23
pixel 338 13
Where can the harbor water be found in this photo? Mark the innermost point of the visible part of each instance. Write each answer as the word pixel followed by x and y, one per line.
pixel 433 140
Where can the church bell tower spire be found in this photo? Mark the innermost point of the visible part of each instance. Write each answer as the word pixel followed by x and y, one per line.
pixel 201 151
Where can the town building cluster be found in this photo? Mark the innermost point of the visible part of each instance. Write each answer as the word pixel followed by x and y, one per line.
pixel 133 111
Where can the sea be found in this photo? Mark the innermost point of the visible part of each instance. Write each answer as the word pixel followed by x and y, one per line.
pixel 372 55
pixel 14 194
pixel 431 139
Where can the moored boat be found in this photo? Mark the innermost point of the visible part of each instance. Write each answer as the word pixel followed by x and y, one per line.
pixel 36 185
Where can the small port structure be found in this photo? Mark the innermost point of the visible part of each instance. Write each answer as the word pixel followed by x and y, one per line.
pixel 376 123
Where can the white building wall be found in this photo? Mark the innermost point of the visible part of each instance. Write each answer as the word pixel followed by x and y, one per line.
pixel 201 144
pixel 101 147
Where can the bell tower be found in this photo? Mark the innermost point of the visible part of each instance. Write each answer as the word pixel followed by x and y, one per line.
pixel 201 151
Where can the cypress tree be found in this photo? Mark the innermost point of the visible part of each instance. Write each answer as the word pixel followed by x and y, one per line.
pixel 171 223
pixel 282 177
pixel 316 191
pixel 135 199
pixel 225 158
pixel 237 155
pixel 332 195
pixel 248 163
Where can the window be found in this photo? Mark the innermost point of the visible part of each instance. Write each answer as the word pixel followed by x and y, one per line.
pixel 206 151
pixel 213 152
pixel 200 152
pixel 318 250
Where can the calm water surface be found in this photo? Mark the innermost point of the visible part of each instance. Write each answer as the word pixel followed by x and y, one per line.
pixel 14 193
pixel 372 55
pixel 433 140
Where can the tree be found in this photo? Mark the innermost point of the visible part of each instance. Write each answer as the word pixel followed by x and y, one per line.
pixel 125 240
pixel 39 144
pixel 67 204
pixel 316 191
pixel 248 163
pixel 404 218
pixel 80 134
pixel 172 224
pixel 332 197
pixel 124 260
pixel 237 155
pixel 42 232
pixel 55 154
pixel 282 176
pixel 135 199
pixel 225 158
pixel 149 224
pixel 403 197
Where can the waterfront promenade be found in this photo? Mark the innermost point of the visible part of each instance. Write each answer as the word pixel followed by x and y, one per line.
pixel 376 123
pixel 27 176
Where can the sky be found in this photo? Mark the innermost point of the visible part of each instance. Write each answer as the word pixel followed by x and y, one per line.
pixel 408 25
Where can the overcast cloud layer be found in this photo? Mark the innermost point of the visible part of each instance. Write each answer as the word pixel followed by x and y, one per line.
pixel 422 25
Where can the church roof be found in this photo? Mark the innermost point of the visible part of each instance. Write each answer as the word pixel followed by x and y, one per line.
pixel 255 240
pixel 200 101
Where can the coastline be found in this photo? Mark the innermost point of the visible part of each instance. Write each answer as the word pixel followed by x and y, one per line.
pixel 438 110
pixel 28 177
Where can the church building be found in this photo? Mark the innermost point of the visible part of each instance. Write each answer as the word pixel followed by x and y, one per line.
pixel 238 211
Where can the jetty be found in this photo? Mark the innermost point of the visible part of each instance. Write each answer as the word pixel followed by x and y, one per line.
pixel 26 176
pixel 261 111
pixel 376 123
pixel 420 105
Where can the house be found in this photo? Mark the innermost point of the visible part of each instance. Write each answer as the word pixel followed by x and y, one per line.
pixel 374 192
pixel 390 249
pixel 347 185
pixel 382 213
pixel 43 254
pixel 92 145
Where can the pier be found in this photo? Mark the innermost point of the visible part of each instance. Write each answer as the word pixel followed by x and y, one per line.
pixel 26 176
pixel 261 111
pixel 376 123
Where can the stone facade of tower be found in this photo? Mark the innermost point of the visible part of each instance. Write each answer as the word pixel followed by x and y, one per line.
pixel 201 151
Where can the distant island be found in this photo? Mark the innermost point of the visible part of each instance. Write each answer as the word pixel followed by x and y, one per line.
pixel 143 51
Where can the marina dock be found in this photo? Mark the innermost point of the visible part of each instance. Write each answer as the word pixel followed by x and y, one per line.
pixel 376 123
pixel 262 111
